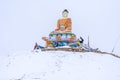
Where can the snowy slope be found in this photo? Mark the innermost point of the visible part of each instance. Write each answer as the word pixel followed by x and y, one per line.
pixel 59 66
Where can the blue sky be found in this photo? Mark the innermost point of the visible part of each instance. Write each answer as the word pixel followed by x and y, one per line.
pixel 24 22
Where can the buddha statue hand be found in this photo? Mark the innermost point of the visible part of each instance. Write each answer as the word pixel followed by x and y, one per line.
pixel 62 27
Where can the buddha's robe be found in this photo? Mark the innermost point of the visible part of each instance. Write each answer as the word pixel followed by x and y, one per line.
pixel 66 23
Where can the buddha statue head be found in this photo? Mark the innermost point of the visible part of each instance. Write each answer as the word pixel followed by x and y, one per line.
pixel 65 13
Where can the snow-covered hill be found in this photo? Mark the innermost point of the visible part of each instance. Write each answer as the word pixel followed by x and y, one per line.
pixel 59 66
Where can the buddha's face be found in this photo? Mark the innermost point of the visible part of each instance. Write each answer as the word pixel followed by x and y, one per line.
pixel 65 14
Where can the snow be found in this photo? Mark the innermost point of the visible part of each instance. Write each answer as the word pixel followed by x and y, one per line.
pixel 23 22
pixel 59 65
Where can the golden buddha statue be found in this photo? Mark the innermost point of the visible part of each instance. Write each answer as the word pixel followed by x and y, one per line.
pixel 64 24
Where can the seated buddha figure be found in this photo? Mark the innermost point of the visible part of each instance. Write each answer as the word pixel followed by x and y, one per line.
pixel 64 24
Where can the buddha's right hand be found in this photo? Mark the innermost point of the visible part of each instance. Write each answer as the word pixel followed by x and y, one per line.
pixel 56 29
